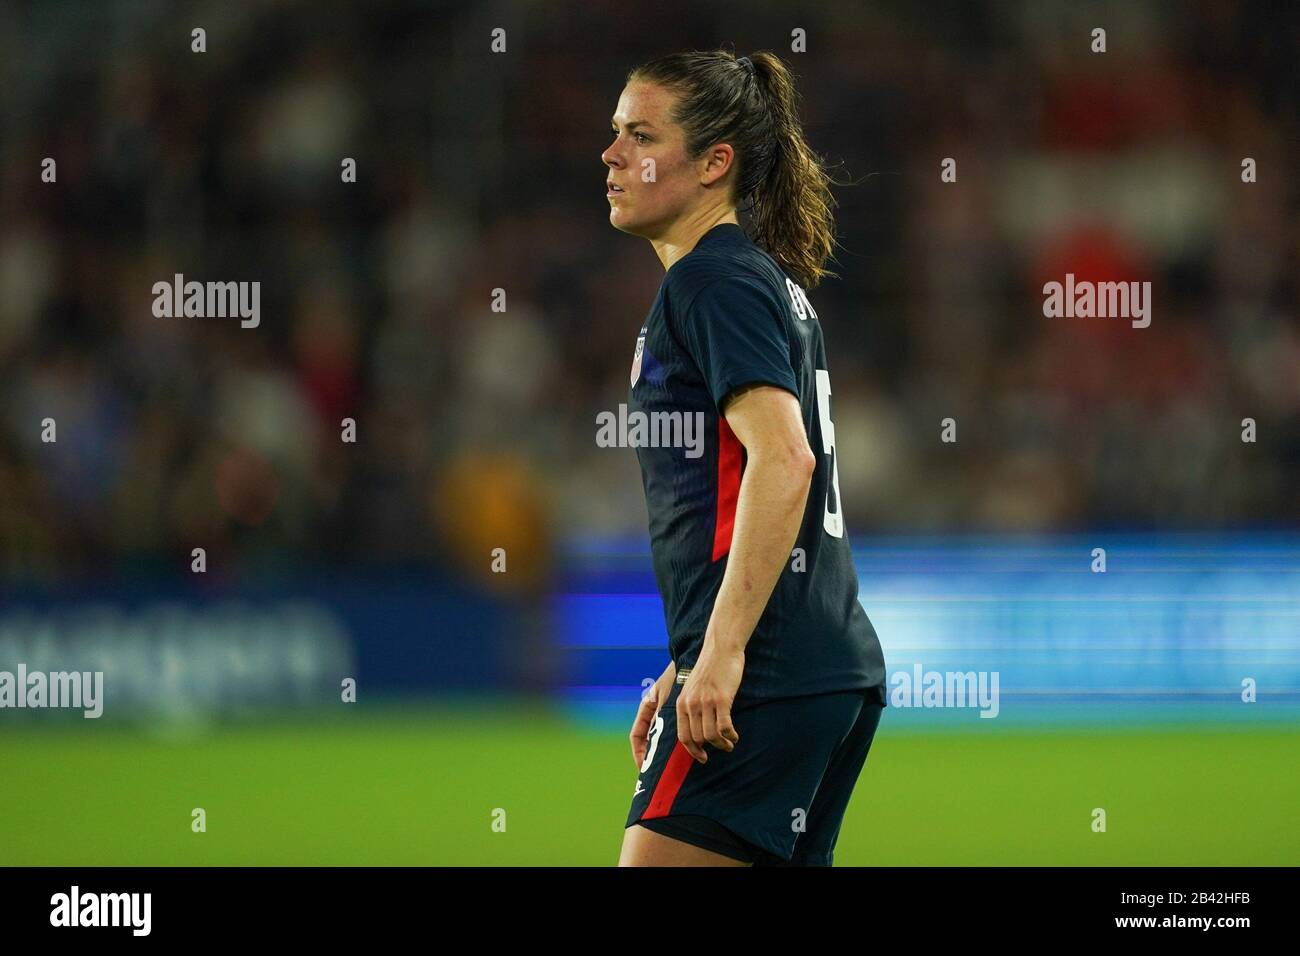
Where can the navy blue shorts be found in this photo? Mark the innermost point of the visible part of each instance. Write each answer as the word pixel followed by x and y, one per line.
pixel 779 798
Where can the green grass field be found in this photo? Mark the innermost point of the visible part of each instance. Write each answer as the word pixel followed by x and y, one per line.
pixel 419 788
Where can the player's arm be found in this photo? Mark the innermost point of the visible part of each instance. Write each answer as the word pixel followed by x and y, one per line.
pixel 773 492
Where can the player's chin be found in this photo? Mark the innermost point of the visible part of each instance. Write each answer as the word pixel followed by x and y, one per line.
pixel 620 220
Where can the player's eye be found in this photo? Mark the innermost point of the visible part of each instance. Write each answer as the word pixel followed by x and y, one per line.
pixel 640 138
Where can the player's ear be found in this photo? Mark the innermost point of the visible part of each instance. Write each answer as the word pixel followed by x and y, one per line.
pixel 717 161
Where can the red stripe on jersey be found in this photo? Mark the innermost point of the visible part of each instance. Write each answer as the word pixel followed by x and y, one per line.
pixel 729 449
pixel 670 782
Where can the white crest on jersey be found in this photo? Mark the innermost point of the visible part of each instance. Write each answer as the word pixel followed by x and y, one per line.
pixel 636 359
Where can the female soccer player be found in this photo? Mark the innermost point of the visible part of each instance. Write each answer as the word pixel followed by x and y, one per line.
pixel 786 676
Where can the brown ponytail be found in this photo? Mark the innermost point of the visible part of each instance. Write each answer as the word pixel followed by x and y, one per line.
pixel 752 104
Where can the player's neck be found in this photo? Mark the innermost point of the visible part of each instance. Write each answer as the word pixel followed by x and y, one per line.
pixel 682 238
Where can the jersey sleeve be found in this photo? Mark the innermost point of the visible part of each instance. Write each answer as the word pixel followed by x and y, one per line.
pixel 734 330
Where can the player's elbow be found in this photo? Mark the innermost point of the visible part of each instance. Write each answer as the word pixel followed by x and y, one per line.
pixel 796 463
pixel 786 465
pixel 803 462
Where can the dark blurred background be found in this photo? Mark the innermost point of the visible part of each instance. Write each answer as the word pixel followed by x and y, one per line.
pixel 479 171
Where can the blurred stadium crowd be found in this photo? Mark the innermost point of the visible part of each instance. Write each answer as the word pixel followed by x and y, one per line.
pixel 479 171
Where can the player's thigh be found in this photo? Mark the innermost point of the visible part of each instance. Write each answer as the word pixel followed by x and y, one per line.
pixel 644 847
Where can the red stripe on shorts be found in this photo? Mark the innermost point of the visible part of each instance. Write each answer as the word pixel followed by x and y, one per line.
pixel 670 782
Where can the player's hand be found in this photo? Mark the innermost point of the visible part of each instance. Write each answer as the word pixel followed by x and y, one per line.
pixel 704 705
pixel 647 711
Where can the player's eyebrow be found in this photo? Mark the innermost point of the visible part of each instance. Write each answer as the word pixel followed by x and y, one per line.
pixel 632 125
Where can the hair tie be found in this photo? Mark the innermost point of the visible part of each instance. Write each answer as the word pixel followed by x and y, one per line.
pixel 748 64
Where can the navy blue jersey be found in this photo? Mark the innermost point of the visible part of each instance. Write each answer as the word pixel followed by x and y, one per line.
pixel 727 316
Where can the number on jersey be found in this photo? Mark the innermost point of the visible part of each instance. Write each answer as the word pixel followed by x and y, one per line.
pixel 833 518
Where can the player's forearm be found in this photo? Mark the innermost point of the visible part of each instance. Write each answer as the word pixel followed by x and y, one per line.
pixel 770 507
